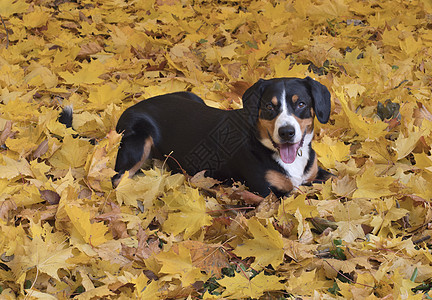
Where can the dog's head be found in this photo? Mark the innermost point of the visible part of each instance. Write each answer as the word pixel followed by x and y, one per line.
pixel 284 109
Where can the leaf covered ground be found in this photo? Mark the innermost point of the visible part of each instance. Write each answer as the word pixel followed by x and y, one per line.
pixel 65 232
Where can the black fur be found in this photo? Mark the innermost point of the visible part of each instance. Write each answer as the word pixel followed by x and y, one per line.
pixel 65 116
pixel 321 96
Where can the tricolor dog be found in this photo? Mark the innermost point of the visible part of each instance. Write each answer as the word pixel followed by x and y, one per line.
pixel 266 144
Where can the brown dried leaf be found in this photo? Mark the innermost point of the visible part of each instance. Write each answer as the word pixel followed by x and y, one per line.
pixel 50 196
pixel 210 258
pixel 89 49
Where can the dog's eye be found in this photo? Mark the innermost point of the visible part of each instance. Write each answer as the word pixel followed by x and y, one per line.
pixel 269 106
pixel 301 104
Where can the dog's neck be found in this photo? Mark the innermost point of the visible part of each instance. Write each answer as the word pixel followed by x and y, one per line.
pixel 296 170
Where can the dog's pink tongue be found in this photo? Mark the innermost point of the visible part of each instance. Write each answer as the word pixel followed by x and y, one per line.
pixel 288 152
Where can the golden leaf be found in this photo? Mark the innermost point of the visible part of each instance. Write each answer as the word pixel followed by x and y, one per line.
pixel 366 129
pixel 371 186
pixel 90 233
pixel 13 168
pixel 10 7
pixel 192 215
pixel 330 151
pixel 179 262
pixel 266 246
pixel 44 251
pixel 240 286
pixel 88 74
pixel 405 145
pixel 36 18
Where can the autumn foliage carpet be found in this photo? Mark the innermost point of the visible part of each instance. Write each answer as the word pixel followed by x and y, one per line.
pixel 65 232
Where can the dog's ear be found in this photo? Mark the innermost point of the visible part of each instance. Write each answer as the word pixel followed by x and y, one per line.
pixel 321 98
pixel 252 97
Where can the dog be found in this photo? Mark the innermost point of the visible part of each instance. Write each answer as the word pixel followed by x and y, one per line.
pixel 266 145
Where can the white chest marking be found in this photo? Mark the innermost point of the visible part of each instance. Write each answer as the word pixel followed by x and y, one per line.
pixel 296 169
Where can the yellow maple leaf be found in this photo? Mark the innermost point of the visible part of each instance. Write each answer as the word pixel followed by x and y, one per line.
pixel 332 266
pixel 44 251
pixel 89 124
pixel 27 195
pixel 305 282
pixel 178 261
pixel 63 56
pixel 98 166
pixel 126 192
pixel 378 151
pixel 96 293
pixel 284 69
pixel 261 51
pixel 291 204
pixel 266 246
pixel 229 51
pixel 146 188
pixel 303 229
pixel 37 18
pixel 98 173
pixel 329 9
pixel 37 295
pixel 73 153
pixel 145 290
pixel 387 213
pixel 347 211
pixel 420 186
pixel 391 38
pixel 168 86
pixel 22 145
pixel 103 95
pixel 404 145
pixel 423 161
pixel 55 127
pixel 88 74
pixel 331 151
pixel 192 216
pixel 299 251
pixel 13 168
pixel 366 129
pixel 40 75
pixel 240 286
pixel 351 230
pixel 410 46
pixel 371 186
pixel 354 89
pixel 344 186
pixel 91 233
pixel 10 7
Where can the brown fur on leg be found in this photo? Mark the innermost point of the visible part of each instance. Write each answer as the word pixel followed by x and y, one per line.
pixel 279 181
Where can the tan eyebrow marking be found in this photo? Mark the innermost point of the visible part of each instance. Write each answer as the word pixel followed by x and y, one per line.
pixel 274 100
pixel 295 98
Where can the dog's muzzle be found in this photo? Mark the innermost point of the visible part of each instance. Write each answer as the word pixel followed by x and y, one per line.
pixel 288 151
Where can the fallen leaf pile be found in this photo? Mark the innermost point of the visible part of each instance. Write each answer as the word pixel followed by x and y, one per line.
pixel 65 232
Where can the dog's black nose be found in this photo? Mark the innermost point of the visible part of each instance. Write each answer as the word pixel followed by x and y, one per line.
pixel 286 133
